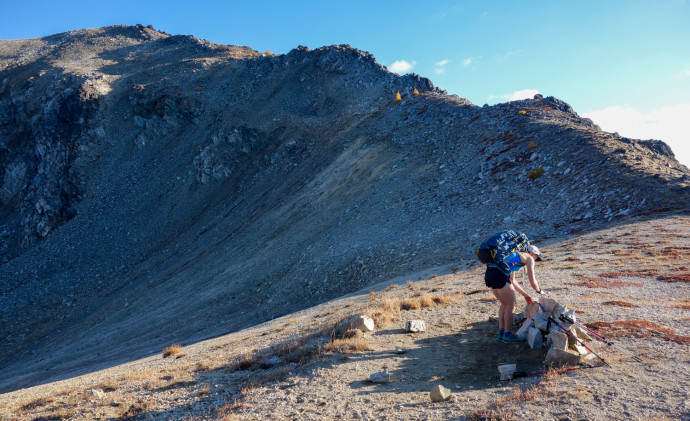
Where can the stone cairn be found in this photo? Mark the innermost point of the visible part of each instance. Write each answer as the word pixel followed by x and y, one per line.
pixel 540 332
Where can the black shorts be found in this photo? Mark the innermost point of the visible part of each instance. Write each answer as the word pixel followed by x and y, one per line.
pixel 495 279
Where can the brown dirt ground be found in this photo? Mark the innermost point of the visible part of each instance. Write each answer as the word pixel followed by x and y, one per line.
pixel 616 279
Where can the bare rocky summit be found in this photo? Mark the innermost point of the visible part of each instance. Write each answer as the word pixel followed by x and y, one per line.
pixel 161 189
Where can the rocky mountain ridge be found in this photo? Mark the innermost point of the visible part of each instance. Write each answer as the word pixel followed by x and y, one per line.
pixel 163 188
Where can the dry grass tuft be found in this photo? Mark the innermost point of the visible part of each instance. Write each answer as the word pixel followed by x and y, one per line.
pixel 446 298
pixel 348 345
pixel 171 350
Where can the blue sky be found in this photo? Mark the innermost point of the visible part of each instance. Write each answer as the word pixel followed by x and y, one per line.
pixel 625 64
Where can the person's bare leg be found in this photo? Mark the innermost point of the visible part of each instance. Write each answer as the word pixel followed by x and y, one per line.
pixel 501 309
pixel 506 296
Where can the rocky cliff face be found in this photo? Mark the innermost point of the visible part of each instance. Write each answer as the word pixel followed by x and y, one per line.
pixel 161 188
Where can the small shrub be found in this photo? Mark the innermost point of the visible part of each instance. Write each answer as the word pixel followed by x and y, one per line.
pixel 522 112
pixel 415 92
pixel 348 345
pixel 398 98
pixel 108 385
pixel 268 53
pixel 536 173
pixel 531 144
pixel 172 350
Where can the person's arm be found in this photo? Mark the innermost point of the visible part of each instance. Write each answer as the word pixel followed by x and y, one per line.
pixel 529 263
pixel 520 291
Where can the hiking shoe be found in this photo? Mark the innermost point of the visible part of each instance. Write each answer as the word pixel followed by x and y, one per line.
pixel 510 338
pixel 499 337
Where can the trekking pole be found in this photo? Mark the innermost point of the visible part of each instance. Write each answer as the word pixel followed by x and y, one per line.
pixel 579 341
pixel 567 319
pixel 519 374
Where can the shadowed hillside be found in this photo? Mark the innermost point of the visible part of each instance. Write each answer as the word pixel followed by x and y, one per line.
pixel 162 188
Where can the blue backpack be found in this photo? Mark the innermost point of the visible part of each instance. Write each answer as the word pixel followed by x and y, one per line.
pixel 499 246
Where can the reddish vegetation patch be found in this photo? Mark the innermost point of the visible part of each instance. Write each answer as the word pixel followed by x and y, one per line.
pixel 621 304
pixel 572 259
pixel 678 252
pixel 639 329
pixel 672 278
pixel 683 305
pixel 630 273
pixel 592 282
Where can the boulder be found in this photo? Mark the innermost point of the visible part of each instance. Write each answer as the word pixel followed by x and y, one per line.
pixel 534 338
pixel 363 323
pixel 559 340
pixel 97 393
pixel 548 304
pixel 439 394
pixel 581 333
pixel 559 358
pixel 382 377
pixel 570 314
pixel 541 322
pixel 579 349
pixel 415 326
pixel 506 371
pixel 532 310
pixel 522 332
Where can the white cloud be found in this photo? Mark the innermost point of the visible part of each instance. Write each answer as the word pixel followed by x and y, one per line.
pixel 523 94
pixel 402 66
pixel 670 124
pixel 441 66
pixel 507 55
pixel 483 15
pixel 469 61
pixel 515 96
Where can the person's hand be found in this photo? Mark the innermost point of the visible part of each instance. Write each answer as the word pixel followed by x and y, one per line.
pixel 541 292
pixel 529 299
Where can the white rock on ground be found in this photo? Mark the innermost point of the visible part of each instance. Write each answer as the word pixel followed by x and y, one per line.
pixel 439 393
pixel 522 332
pixel 415 326
pixel 382 377
pixel 363 323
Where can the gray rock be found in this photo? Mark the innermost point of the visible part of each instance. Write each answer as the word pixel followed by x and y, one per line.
pixel 415 326
pixel 522 332
pixel 541 322
pixel 559 340
pixel 535 339
pixel 97 393
pixel 361 322
pixel 559 358
pixel 382 377
pixel 439 393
